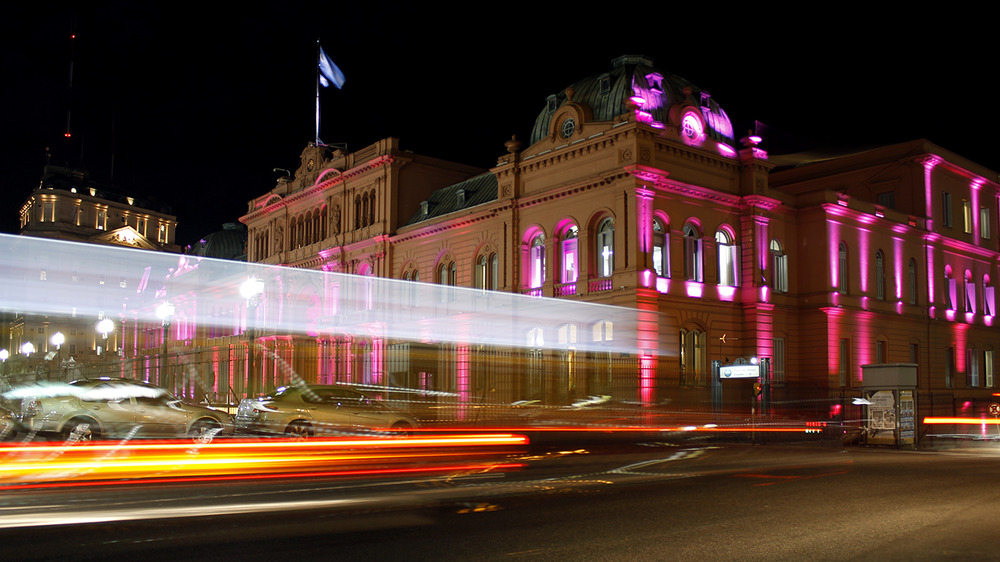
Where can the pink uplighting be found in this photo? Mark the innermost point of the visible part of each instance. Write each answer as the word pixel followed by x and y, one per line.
pixel 726 293
pixel 726 150
pixel 663 285
pixel 694 289
pixel 765 294
pixel 646 278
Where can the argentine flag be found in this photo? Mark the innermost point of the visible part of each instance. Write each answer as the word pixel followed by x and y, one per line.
pixel 328 72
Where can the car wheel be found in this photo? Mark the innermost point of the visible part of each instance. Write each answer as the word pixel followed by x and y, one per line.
pixel 81 430
pixel 202 431
pixel 299 430
pixel 402 428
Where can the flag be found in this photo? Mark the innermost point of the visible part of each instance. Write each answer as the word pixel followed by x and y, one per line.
pixel 328 72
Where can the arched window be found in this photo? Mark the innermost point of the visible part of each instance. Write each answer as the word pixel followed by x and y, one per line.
pixel 842 269
pixel 779 267
pixel 949 289
pixel 728 258
pixel 371 208
pixel 661 251
pixel 536 262
pixel 606 248
pixel 989 298
pixel 494 276
pixel 357 212
pixel 692 357
pixel 693 264
pixel 912 272
pixel 569 255
pixel 879 275
pixel 970 292
pixel 322 223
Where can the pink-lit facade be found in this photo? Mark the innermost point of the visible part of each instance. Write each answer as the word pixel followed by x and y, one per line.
pixel 639 196
pixel 907 236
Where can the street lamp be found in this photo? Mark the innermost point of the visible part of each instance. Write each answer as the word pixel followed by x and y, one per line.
pixel 165 312
pixel 4 355
pixel 251 290
pixel 57 340
pixel 105 327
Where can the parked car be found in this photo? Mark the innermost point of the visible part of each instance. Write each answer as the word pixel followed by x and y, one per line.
pixel 90 409
pixel 302 411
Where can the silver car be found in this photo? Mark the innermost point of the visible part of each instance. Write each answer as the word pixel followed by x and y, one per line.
pixel 305 410
pixel 89 409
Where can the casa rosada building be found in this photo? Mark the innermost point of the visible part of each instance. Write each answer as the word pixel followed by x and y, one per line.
pixel 634 191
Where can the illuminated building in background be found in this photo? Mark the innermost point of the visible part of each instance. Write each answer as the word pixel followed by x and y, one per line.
pixel 634 191
pixel 68 205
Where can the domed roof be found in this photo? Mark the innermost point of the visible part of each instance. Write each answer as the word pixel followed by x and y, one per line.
pixel 230 243
pixel 654 94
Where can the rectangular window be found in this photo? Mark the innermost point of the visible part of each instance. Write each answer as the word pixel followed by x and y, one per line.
pixel 966 217
pixel 984 223
pixel 102 219
pixel 949 366
pixel 950 296
pixel 162 234
pixel 970 296
pixel 988 367
pixel 880 352
pixel 780 273
pixel 778 364
pixel 914 353
pixel 972 367
pixel 946 209
pixel 989 301
pixel 845 360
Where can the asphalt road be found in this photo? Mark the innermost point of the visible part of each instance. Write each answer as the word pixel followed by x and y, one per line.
pixel 651 501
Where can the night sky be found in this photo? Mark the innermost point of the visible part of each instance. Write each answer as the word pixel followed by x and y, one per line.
pixel 196 103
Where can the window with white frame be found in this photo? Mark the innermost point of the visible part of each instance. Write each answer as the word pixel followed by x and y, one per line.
pixel 693 254
pixel 984 223
pixel 966 216
pixel 606 247
pixel 661 250
pixel 989 297
pixel 988 367
pixel 728 258
pixel 779 267
pixel 692 357
pixel 950 296
pixel 970 292
pixel 570 255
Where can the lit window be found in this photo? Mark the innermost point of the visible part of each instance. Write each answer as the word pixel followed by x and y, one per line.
pixel 162 234
pixel 950 296
pixel 880 275
pixel 606 248
pixel 486 272
pixel 779 263
pixel 970 292
pixel 481 273
pixel 966 217
pixel 570 255
pixel 102 219
pixel 989 297
pixel 984 223
pixel 728 259
pixel 693 265
pixel 661 251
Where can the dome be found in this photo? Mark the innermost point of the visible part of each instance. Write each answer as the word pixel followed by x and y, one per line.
pixel 228 244
pixel 654 93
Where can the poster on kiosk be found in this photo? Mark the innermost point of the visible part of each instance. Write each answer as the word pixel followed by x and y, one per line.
pixel 890 401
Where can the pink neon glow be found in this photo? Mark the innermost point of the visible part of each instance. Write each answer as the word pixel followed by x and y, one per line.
pixel 765 294
pixel 657 125
pixel 726 293
pixel 899 307
pixel 988 320
pixel 832 235
pixel 755 139
pixel 835 298
pixel 638 100
pixel 694 289
pixel 976 184
pixel 932 312
pixel 646 278
pixel 950 314
pixel 970 317
pixel 726 150
pixel 897 262
pixel 863 257
pixel 663 285
pixel 643 116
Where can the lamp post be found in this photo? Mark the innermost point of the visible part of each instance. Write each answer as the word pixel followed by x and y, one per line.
pixel 165 312
pixel 251 290
pixel 105 327
pixel 57 340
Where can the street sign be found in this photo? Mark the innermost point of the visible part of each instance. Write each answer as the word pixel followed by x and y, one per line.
pixel 994 409
pixel 739 372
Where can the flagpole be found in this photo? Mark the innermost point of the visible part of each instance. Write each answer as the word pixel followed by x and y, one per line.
pixel 317 90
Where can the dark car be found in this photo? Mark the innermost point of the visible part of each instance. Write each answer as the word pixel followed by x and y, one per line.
pixel 308 409
pixel 110 407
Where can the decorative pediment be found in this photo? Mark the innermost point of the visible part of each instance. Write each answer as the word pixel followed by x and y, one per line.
pixel 124 236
